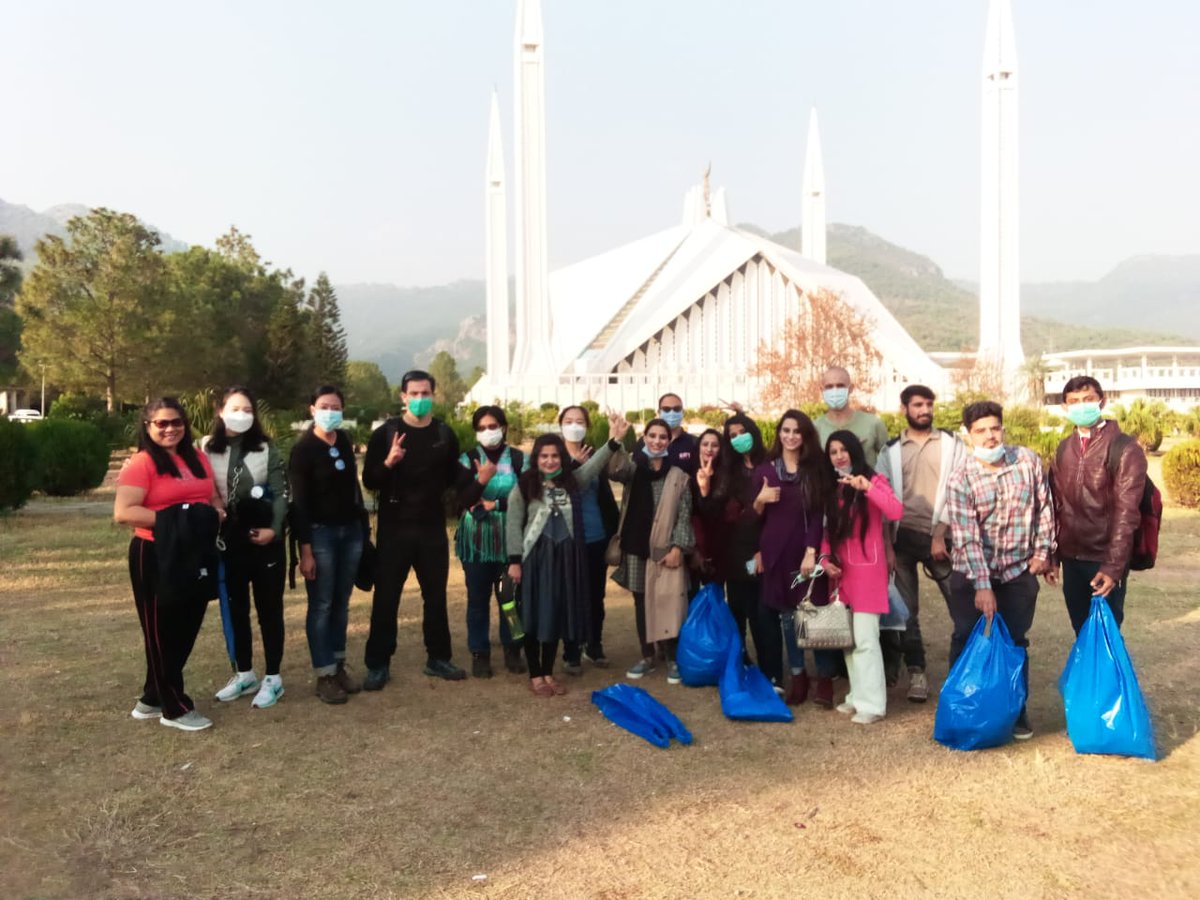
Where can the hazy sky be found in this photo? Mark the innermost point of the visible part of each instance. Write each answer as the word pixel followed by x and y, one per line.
pixel 351 137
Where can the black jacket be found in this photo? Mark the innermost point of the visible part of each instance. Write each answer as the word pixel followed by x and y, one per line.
pixel 185 544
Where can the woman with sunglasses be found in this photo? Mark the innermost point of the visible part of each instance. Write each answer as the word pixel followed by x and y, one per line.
pixel 328 521
pixel 165 472
pixel 250 478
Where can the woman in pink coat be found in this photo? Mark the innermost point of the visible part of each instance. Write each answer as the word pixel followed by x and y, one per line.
pixel 860 566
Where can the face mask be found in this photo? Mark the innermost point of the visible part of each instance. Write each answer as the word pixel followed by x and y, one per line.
pixel 550 476
pixel 328 419
pixel 742 443
pixel 989 454
pixel 237 422
pixel 673 419
pixel 1085 415
pixel 491 437
pixel 843 471
pixel 655 454
pixel 836 398
pixel 419 406
pixel 575 433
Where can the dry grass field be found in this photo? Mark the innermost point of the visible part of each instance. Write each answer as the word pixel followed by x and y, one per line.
pixel 426 787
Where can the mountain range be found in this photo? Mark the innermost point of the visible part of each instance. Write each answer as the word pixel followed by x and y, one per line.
pixel 28 225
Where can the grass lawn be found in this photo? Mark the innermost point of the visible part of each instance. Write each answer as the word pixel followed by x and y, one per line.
pixel 420 789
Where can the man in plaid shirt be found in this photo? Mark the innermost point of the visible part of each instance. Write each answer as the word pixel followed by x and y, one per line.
pixel 1002 534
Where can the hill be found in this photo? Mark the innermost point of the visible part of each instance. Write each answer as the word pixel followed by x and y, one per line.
pixel 28 226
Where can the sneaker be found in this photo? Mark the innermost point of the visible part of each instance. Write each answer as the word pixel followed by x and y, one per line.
pixel 918 687
pixel 481 665
pixel 514 661
pixel 574 667
pixel 595 655
pixel 846 709
pixel 241 683
pixel 269 693
pixel 329 691
pixel 797 690
pixel 146 711
pixel 349 683
pixel 673 676
pixel 376 679
pixel 640 668
pixel 866 718
pixel 1022 731
pixel 443 668
pixel 189 721
pixel 823 693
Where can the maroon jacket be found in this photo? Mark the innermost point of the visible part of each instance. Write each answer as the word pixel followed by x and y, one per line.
pixel 1097 514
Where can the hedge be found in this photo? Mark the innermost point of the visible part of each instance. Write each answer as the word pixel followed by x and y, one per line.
pixel 18 462
pixel 1181 472
pixel 72 457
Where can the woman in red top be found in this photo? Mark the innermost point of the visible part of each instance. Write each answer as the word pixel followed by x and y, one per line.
pixel 164 472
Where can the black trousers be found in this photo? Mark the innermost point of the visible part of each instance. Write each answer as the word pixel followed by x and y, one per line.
pixel 912 549
pixel 264 569
pixel 648 650
pixel 742 596
pixel 403 549
pixel 1077 575
pixel 168 633
pixel 595 579
pixel 540 655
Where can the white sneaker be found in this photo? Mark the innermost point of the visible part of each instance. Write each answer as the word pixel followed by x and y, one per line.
pixel 146 711
pixel 240 683
pixel 189 721
pixel 846 709
pixel 866 719
pixel 271 690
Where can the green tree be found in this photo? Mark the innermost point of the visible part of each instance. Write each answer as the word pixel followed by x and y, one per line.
pixel 10 322
pixel 329 337
pixel 450 387
pixel 1145 420
pixel 92 306
pixel 367 388
pixel 287 371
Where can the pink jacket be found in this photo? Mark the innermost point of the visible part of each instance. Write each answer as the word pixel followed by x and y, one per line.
pixel 864 583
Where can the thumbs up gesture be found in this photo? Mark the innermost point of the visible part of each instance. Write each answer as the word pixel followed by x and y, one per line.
pixel 766 494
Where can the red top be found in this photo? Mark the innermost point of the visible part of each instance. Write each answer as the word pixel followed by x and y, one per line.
pixel 165 490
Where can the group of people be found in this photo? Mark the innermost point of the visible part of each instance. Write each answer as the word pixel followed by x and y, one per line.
pixel 832 507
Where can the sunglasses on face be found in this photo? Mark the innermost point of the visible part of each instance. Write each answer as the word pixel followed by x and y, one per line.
pixel 166 424
pixel 671 409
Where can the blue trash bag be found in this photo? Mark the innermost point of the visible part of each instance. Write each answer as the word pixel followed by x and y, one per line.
pixel 984 692
pixel 705 637
pixel 896 618
pixel 637 712
pixel 746 693
pixel 1106 712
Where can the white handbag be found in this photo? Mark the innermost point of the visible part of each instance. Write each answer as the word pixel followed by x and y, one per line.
pixel 828 627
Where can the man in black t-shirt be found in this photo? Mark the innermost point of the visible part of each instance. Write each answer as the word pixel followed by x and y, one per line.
pixel 411 462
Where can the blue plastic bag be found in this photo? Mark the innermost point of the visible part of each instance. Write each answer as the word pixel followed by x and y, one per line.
pixel 984 692
pixel 896 618
pixel 639 713
pixel 705 637
pixel 1106 712
pixel 746 693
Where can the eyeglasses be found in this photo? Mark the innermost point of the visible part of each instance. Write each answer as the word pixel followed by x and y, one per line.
pixel 166 424
pixel 670 409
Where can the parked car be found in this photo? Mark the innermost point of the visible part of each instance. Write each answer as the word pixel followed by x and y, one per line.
pixel 24 415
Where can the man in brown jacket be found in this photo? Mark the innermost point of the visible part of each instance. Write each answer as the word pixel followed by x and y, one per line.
pixel 1096 503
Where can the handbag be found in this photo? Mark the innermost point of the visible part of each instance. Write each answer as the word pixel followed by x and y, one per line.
pixel 612 553
pixel 368 562
pixel 828 627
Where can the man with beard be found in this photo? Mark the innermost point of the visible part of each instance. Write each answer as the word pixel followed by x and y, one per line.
pixel 918 464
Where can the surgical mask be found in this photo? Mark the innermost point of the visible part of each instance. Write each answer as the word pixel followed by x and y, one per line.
pixel 843 471
pixel 1085 415
pixel 672 418
pixel 655 454
pixel 836 398
pixel 328 419
pixel 236 421
pixel 419 406
pixel 990 455
pixel 490 437
pixel 575 432
pixel 742 443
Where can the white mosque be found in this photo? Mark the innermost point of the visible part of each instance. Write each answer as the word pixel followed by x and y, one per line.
pixel 686 309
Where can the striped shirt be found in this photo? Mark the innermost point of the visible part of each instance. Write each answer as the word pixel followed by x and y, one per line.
pixel 1000 519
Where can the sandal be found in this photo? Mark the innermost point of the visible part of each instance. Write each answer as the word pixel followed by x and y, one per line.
pixel 541 690
pixel 556 688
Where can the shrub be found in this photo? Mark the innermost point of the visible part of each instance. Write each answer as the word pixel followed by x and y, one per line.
pixel 1181 472
pixel 18 461
pixel 72 457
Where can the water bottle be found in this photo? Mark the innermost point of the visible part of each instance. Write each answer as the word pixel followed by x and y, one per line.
pixel 510 609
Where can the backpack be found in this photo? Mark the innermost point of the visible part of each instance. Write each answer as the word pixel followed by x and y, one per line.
pixel 1145 537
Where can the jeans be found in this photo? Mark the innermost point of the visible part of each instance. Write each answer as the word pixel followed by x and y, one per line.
pixel 912 549
pixel 336 549
pixel 826 660
pixel 1077 575
pixel 403 549
pixel 483 583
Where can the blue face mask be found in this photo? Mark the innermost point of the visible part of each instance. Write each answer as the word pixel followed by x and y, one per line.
pixel 990 455
pixel 1085 415
pixel 742 443
pixel 673 418
pixel 328 419
pixel 650 454
pixel 836 398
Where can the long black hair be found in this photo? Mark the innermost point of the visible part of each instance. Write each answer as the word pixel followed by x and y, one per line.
pixel 719 487
pixel 852 503
pixel 252 439
pixel 185 449
pixel 815 472
pixel 531 479
pixel 758 450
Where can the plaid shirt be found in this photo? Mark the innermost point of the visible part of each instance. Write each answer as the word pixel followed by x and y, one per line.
pixel 1000 519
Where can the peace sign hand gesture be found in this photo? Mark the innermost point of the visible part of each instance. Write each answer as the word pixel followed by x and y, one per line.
pixel 397 451
pixel 618 427
pixel 704 477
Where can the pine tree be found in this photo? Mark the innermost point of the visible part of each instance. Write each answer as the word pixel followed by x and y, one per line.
pixel 329 337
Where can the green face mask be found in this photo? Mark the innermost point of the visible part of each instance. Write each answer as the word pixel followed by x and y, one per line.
pixel 550 476
pixel 742 443
pixel 420 406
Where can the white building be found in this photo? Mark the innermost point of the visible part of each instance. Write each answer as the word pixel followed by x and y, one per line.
pixel 1170 374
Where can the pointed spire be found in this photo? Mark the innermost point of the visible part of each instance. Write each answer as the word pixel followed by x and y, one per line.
pixel 812 232
pixel 495 171
pixel 999 46
pixel 496 254
pixel 529 23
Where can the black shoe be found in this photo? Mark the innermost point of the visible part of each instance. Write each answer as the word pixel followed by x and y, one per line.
pixel 481 665
pixel 443 668
pixel 595 655
pixel 572 667
pixel 513 661
pixel 376 679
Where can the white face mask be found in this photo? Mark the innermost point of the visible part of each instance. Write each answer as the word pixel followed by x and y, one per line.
pixel 491 437
pixel 236 421
pixel 574 432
